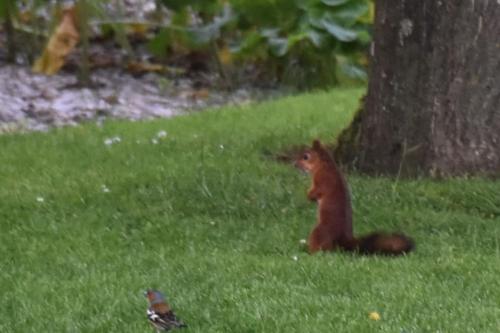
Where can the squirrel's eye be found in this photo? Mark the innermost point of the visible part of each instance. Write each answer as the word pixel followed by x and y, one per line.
pixel 305 157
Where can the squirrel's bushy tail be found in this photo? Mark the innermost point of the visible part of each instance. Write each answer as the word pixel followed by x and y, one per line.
pixel 381 243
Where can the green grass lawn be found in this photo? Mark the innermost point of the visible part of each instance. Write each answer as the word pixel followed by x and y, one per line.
pixel 207 218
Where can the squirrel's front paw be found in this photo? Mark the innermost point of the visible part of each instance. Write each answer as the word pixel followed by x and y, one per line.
pixel 312 196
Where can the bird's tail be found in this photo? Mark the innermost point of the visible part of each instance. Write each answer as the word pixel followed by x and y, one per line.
pixel 381 243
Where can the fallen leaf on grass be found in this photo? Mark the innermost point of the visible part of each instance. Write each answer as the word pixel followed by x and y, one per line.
pixel 374 316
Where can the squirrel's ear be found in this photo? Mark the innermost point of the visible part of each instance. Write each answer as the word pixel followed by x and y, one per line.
pixel 316 144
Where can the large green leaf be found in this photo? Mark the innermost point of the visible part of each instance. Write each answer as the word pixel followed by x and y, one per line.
pixel 278 46
pixel 270 32
pixel 205 34
pixel 296 38
pixel 158 45
pixel 353 71
pixel 334 2
pixel 350 13
pixel 248 44
pixel 316 37
pixel 364 36
pixel 348 68
pixel 339 32
pixel 263 13
pixel 315 16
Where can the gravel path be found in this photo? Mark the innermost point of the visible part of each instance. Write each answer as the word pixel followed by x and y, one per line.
pixel 36 102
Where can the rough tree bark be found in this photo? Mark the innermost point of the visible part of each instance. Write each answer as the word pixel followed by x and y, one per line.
pixel 433 101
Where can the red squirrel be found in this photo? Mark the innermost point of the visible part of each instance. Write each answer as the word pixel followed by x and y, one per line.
pixel 334 227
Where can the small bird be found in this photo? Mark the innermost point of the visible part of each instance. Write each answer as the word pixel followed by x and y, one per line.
pixel 159 313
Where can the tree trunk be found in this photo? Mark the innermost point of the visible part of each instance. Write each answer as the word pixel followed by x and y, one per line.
pixel 433 101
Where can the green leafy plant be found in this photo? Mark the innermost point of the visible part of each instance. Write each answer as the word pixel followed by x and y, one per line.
pixel 304 43
pixel 317 42
pixel 192 28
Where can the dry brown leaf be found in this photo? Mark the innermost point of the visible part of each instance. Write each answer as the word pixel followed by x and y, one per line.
pixel 62 41
pixel 138 29
pixel 139 68
pixel 225 55
pixel 203 93
pixel 142 67
pixel 25 16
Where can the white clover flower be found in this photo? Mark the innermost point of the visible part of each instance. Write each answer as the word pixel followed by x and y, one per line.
pixel 302 241
pixel 295 258
pixel 221 146
pixel 40 199
pixel 154 141
pixel 113 140
pixel 161 134
pixel 105 189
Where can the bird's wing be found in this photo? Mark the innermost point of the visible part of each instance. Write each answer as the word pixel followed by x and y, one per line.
pixel 172 319
pixel 157 321
pixel 164 321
